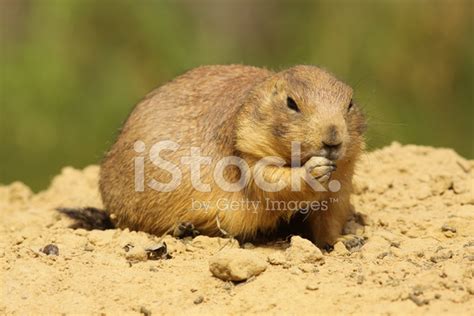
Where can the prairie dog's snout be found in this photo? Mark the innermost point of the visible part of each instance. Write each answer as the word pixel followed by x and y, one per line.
pixel 332 142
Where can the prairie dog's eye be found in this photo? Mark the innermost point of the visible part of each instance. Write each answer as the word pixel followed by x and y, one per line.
pixel 350 106
pixel 292 104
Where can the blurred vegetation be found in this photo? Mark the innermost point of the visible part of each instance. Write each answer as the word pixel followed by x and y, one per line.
pixel 70 71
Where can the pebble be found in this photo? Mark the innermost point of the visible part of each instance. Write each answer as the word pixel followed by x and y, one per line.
pixel 423 192
pixel 441 255
pixel 460 186
pixel 469 257
pixel 447 228
pixel 50 250
pixel 306 267
pixel 236 265
pixel 418 301
pixel 199 300
pixel 340 249
pixel 295 271
pixel 276 258
pixel 303 251
pixel 228 286
pixel 469 244
pixel 136 254
pixel 88 247
pixel 383 255
pixel 158 251
pixel 312 287
pixel 145 311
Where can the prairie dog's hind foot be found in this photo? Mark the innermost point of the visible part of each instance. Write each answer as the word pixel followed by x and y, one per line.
pixel 185 229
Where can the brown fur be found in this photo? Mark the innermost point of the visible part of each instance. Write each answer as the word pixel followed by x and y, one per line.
pixel 235 111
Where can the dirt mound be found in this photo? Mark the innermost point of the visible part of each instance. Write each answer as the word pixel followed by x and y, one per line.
pixel 415 255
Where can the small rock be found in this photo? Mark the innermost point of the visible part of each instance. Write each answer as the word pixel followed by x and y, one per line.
pixel 417 290
pixel 136 254
pixel 449 234
pixel 470 288
pixel 303 251
pixel 418 301
pixel 145 311
pixel 340 249
pixel 50 250
pixel 312 287
pixel 469 257
pixel 469 244
pixel 360 279
pixel 236 265
pixel 447 228
pixel 158 251
pixel 306 267
pixel 420 254
pixel 228 286
pixel 127 247
pixel 460 186
pixel 423 192
pixel 276 258
pixel 88 247
pixel 383 255
pixel 295 271
pixel 199 300
pixel 441 255
pixel 193 290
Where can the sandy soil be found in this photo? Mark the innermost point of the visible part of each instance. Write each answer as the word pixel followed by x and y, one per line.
pixel 417 258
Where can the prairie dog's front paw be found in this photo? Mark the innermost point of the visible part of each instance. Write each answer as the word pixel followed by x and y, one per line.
pixel 320 168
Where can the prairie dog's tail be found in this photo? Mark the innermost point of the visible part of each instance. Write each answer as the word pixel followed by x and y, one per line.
pixel 88 218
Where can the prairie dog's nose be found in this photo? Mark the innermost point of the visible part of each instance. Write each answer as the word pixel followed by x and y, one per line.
pixel 332 142
pixel 332 138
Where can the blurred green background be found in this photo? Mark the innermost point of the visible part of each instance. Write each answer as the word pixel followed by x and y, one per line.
pixel 70 71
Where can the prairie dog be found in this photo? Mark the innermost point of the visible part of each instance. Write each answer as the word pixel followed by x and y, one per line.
pixel 247 113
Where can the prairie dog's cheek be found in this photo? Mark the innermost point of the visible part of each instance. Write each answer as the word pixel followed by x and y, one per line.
pixel 279 131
